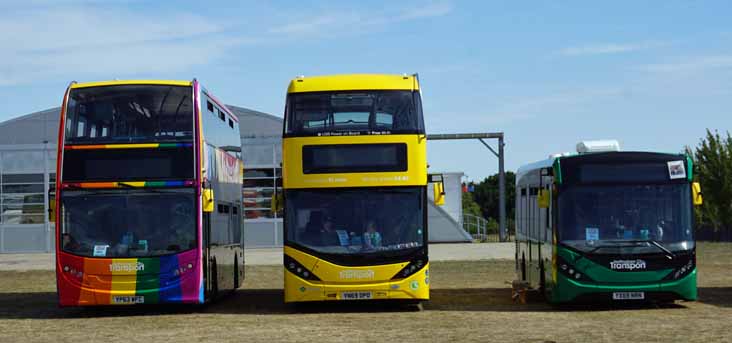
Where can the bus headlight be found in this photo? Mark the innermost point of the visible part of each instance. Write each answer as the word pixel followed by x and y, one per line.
pixel 682 271
pixel 298 269
pixel 569 271
pixel 411 268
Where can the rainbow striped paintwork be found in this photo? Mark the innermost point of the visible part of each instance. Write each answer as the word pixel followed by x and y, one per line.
pixel 128 184
pixel 129 146
pixel 106 281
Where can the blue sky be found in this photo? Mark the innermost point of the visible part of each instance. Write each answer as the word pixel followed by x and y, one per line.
pixel 653 75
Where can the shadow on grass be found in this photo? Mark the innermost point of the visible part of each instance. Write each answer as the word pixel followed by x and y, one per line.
pixel 44 305
pixel 270 301
pixel 717 296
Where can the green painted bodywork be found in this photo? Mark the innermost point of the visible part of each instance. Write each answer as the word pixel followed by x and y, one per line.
pixel 600 279
pixel 558 171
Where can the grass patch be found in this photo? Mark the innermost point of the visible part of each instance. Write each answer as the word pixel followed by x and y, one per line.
pixel 470 302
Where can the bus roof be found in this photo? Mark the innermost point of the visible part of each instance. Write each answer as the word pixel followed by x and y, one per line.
pixel 131 82
pixel 547 163
pixel 348 82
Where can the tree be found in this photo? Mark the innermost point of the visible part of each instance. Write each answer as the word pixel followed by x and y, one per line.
pixel 470 206
pixel 486 195
pixel 713 169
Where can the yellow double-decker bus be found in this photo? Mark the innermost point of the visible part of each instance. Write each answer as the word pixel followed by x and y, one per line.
pixel 355 182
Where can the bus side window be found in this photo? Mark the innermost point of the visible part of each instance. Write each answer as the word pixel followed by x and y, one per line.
pixel 533 192
pixel 522 212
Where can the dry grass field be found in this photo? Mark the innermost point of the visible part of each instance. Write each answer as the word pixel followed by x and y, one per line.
pixel 470 302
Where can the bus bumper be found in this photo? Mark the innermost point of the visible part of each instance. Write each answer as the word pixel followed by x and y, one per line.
pixel 173 279
pixel 568 290
pixel 415 287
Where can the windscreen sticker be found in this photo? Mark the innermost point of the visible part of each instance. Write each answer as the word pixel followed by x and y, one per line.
pixel 592 234
pixel 676 170
pixel 100 250
pixel 343 237
pixel 627 234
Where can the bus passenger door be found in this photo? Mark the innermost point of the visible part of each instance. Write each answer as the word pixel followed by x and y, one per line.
pixel 206 251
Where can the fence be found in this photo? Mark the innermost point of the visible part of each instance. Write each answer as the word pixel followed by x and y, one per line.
pixel 483 230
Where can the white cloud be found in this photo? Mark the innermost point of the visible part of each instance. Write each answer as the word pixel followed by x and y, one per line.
pixel 696 64
pixel 338 22
pixel 87 42
pixel 608 48
pixel 428 11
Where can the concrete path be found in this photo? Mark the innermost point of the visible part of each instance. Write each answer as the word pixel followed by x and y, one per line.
pixel 273 256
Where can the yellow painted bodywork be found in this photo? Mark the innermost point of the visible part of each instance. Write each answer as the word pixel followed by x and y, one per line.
pixel 415 175
pixel 332 285
pixel 131 82
pixel 208 200
pixel 438 193
pixel 124 282
pixel 350 82
pixel 697 194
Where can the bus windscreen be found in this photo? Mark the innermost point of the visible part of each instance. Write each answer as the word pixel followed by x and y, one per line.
pixel 129 114
pixel 128 223
pixel 363 221
pixel 593 214
pixel 346 113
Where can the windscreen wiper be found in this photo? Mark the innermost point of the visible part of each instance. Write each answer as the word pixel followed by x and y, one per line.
pixel 660 246
pixel 598 247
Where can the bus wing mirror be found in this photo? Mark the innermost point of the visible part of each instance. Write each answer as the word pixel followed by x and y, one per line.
pixel 697 194
pixel 543 198
pixel 439 193
pixel 52 204
pixel 52 210
pixel 438 188
pixel 276 204
pixel 208 200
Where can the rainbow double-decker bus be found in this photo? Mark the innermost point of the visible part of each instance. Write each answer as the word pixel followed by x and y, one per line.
pixel 148 195
pixel 605 225
pixel 355 181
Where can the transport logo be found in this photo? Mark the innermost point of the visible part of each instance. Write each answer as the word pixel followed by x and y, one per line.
pixel 127 267
pixel 627 264
pixel 350 274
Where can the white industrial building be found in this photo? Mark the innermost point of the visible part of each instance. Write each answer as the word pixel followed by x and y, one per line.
pixel 28 168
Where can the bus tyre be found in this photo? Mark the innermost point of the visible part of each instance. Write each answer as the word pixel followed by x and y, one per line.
pixel 523 267
pixel 542 281
pixel 236 273
pixel 214 280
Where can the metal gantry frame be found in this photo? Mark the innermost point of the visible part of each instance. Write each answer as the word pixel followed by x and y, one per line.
pixel 502 233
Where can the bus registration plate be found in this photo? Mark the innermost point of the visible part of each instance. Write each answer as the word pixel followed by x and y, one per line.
pixel 126 299
pixel 629 295
pixel 356 295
